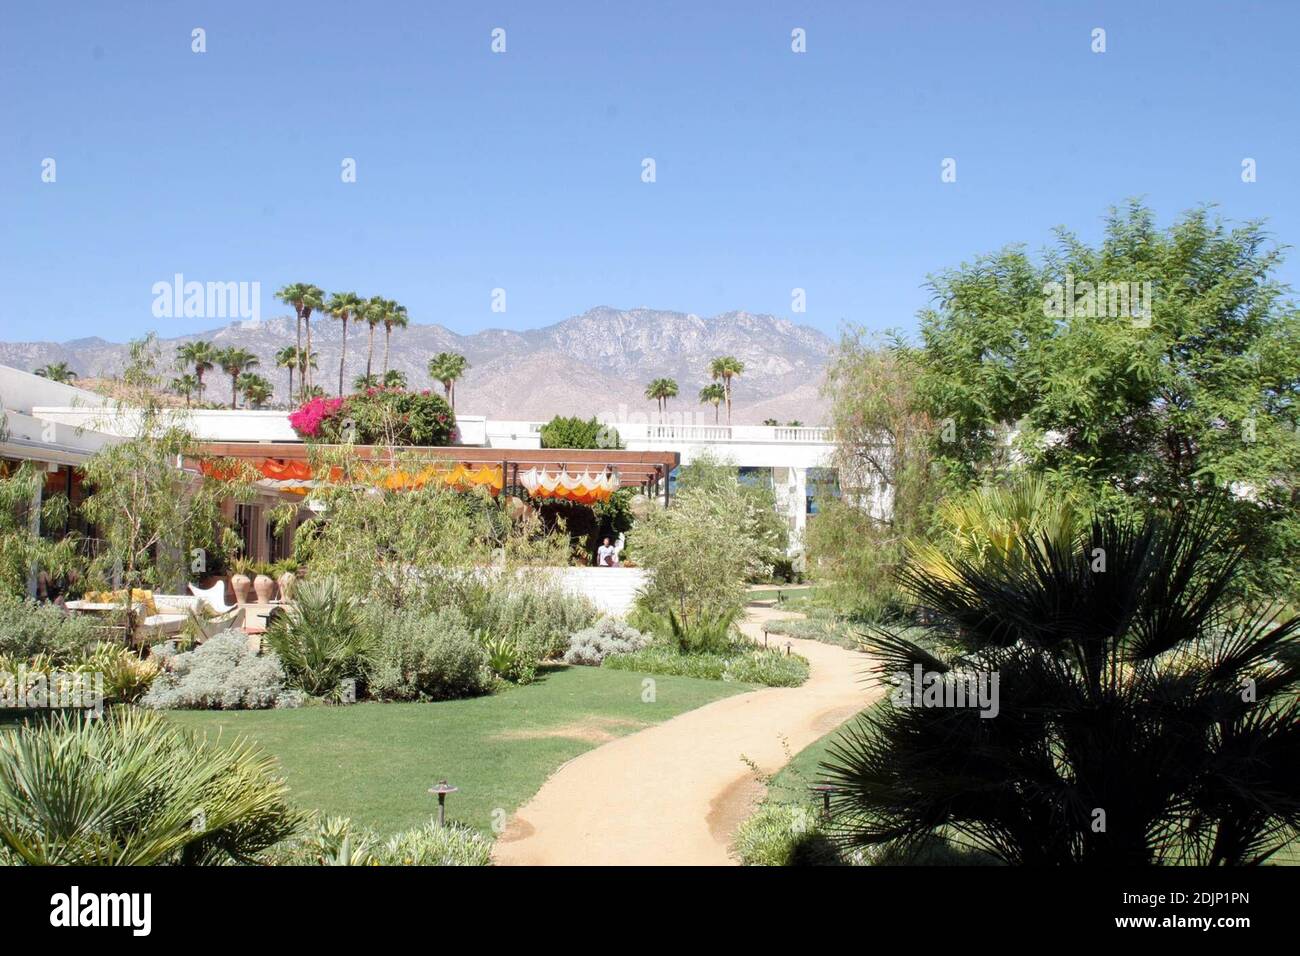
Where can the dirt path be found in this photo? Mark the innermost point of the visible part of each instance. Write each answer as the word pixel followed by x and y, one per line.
pixel 673 794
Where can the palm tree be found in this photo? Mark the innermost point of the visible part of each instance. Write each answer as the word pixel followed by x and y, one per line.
pixel 287 357
pixel 304 298
pixel 373 313
pixel 234 362
pixel 185 386
pixel 343 306
pixel 306 360
pixel 255 389
pixel 1128 681
pixel 363 382
pixel 56 372
pixel 394 379
pixel 660 390
pixel 446 367
pixel 199 355
pixel 726 367
pixel 394 318
pixel 713 395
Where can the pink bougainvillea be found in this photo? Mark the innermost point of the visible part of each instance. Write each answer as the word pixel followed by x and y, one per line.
pixel 306 421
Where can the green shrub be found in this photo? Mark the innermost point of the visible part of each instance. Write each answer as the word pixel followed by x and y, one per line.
pixel 562 432
pixel 220 674
pixel 534 618
pixel 745 666
pixel 322 640
pixel 28 629
pixel 431 656
pixel 783 834
pixel 769 668
pixel 336 841
pixel 707 633
pixel 132 789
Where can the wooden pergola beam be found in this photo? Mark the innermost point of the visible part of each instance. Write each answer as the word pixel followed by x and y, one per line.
pixel 634 467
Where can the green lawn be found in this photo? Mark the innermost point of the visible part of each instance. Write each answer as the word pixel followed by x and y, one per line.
pixel 375 762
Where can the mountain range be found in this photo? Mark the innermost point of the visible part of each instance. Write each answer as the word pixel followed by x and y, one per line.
pixel 595 363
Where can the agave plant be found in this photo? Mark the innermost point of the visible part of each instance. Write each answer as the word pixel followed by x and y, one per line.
pixel 322 640
pixel 132 789
pixel 1142 716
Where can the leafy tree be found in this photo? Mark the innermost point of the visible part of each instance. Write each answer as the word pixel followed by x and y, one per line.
pixel 566 432
pixel 56 372
pixel 714 394
pixel 752 505
pixel 155 520
pixel 419 547
pixel 22 549
pixel 886 493
pixel 1141 716
pixel 447 367
pixel 697 559
pixel 726 368
pixel 1135 396
pixel 659 391
pixel 394 379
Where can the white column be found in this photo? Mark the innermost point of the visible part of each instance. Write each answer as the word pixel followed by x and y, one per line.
pixel 799 505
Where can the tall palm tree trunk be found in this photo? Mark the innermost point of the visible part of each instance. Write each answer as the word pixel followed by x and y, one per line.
pixel 198 373
pixel 234 388
pixel 370 354
pixel 388 337
pixel 343 353
pixel 306 369
pixel 295 358
pixel 298 355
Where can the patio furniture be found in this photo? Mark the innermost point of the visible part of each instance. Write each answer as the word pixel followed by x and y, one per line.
pixel 214 597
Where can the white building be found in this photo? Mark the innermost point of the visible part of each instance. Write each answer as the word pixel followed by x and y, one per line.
pixel 792 458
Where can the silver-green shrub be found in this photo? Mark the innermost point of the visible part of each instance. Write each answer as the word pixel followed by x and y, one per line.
pixel 536 617
pixel 426 656
pixel 607 636
pixel 221 674
pixel 28 629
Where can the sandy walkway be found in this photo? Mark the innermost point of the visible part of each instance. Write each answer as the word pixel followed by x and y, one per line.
pixel 673 794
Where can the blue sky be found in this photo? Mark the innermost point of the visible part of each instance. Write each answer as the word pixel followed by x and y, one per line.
pixel 522 170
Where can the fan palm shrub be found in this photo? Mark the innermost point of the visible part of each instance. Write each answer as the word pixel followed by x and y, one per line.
pixel 322 639
pixel 1142 715
pixel 134 790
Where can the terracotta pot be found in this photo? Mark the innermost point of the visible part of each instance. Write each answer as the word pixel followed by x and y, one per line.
pixel 242 586
pixel 287 581
pixel 264 587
